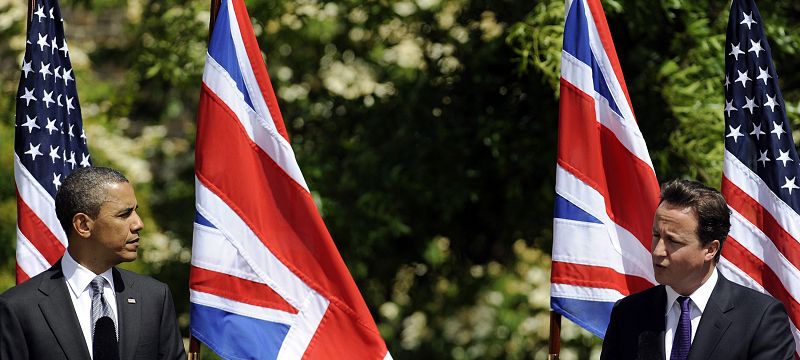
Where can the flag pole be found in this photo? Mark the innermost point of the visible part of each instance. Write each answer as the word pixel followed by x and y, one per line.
pixel 555 336
pixel 194 344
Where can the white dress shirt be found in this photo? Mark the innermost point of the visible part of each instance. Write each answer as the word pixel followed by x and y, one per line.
pixel 697 303
pixel 78 279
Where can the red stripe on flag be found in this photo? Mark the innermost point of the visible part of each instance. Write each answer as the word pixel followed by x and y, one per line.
pixel 238 289
pixel 278 210
pixel 593 154
pixel 761 218
pixel 608 43
pixel 597 277
pixel 338 342
pixel 38 233
pixel 756 269
pixel 258 66
pixel 21 275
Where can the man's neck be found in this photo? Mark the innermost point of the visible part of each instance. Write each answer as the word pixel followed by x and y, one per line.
pixel 708 273
pixel 88 261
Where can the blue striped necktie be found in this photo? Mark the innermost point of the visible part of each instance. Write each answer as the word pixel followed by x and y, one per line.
pixel 682 341
pixel 104 329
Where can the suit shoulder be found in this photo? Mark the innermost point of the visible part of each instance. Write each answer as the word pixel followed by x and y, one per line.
pixel 645 298
pixel 747 296
pixel 28 292
pixel 139 279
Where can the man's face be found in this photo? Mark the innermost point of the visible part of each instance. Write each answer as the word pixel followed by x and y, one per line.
pixel 115 230
pixel 679 259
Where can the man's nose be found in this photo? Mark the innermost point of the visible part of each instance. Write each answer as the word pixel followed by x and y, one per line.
pixel 137 223
pixel 658 247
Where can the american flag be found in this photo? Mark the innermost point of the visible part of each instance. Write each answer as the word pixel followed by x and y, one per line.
pixel 606 188
pixel 760 172
pixel 267 281
pixel 49 140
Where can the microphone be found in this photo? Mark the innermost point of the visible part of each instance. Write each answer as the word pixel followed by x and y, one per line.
pixel 104 346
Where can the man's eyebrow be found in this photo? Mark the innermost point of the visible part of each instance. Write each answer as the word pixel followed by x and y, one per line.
pixel 128 209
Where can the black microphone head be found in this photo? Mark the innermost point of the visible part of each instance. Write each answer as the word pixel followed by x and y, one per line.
pixel 105 345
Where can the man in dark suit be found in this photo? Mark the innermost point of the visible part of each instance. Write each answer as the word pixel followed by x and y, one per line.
pixel 696 313
pixel 84 307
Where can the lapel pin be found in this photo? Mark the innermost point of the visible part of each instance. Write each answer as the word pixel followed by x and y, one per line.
pixel 131 301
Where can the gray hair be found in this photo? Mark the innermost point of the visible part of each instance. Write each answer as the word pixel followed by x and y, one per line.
pixel 82 192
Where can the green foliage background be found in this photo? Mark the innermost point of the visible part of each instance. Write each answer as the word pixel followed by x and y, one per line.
pixel 426 130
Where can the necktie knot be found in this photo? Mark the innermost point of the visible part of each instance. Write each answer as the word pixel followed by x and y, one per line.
pixel 97 285
pixel 683 301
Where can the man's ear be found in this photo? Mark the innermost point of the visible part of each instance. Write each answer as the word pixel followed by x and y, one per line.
pixel 712 249
pixel 82 224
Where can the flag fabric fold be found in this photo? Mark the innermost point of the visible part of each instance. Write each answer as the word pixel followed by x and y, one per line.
pixel 49 141
pixel 606 188
pixel 760 170
pixel 267 281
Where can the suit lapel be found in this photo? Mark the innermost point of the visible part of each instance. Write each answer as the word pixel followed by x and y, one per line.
pixel 714 322
pixel 129 307
pixel 60 314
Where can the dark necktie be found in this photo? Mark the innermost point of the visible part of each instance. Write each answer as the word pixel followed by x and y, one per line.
pixel 104 332
pixel 682 341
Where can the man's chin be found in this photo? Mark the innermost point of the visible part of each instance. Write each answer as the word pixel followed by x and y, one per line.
pixel 128 256
pixel 660 275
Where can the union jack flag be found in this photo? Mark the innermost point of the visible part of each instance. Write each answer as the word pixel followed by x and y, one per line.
pixel 760 172
pixel 606 188
pixel 49 140
pixel 267 281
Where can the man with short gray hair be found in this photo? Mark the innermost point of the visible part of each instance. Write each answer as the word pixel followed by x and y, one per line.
pixel 84 307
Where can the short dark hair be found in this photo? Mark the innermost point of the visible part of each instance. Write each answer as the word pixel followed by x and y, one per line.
pixel 81 193
pixel 713 215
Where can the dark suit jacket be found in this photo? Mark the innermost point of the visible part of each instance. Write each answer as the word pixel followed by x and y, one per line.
pixel 38 320
pixel 737 323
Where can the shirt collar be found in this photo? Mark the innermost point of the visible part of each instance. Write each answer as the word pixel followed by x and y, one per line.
pixel 699 297
pixel 78 277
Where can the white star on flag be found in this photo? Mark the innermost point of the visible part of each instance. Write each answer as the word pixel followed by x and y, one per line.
pixel 33 151
pixel 30 124
pixel 28 97
pixel 778 130
pixel 54 153
pixel 748 19
pixel 48 99
pixel 56 180
pixel 735 51
pixel 790 184
pixel 729 107
pixel 51 126
pixel 771 103
pixel 763 74
pixel 40 13
pixel 757 131
pixel 763 158
pixel 784 157
pixel 755 47
pixel 750 104
pixel 26 67
pixel 743 78
pixel 85 161
pixel 735 134
pixel 42 42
